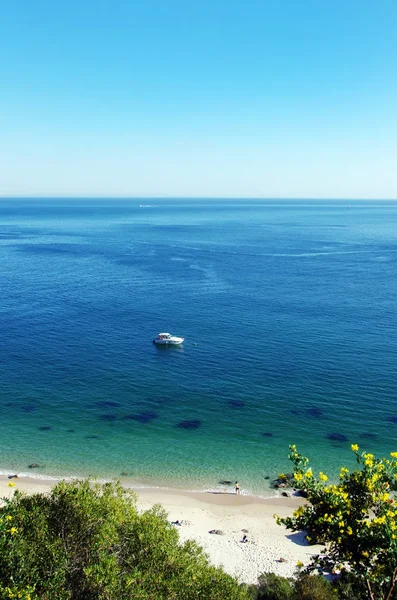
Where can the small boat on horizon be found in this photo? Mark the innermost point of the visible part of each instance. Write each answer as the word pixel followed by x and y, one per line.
pixel 166 339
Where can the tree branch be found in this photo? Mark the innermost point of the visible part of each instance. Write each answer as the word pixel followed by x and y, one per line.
pixel 392 584
pixel 370 592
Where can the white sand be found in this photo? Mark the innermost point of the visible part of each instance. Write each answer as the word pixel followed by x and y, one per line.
pixel 268 542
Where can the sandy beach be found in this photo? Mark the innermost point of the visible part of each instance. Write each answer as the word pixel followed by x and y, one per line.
pixel 202 512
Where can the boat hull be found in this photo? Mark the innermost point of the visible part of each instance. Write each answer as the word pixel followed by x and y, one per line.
pixel 175 342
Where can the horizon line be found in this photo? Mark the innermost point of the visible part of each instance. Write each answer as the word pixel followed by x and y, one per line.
pixel 183 197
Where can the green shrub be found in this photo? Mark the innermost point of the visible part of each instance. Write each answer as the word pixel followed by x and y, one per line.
pixel 272 587
pixel 356 519
pixel 86 541
pixel 350 587
pixel 313 587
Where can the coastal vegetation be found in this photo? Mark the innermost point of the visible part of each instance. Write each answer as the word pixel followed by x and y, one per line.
pixel 303 587
pixel 355 519
pixel 87 541
pixel 84 540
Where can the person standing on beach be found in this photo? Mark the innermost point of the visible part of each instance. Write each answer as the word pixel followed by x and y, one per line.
pixel 237 488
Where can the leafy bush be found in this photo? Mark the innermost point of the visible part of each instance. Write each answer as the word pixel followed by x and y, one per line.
pixel 356 519
pixel 314 587
pixel 273 587
pixel 349 587
pixel 86 541
pixel 304 587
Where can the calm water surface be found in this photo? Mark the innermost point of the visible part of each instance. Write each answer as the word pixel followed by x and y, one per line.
pixel 289 314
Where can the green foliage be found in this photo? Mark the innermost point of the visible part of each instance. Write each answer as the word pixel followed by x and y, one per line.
pixel 87 541
pixel 273 587
pixel 347 587
pixel 314 587
pixel 17 593
pixel 304 587
pixel 356 519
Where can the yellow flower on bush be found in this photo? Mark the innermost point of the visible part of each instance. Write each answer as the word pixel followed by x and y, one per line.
pixel 9 517
pixel 299 511
pixel 11 484
pixel 299 564
pixel 13 593
pixel 13 530
pixel 298 476
pixel 356 519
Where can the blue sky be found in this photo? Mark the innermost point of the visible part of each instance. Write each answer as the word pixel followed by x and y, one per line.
pixel 288 98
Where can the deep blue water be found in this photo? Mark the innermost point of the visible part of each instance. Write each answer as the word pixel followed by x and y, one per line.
pixel 289 314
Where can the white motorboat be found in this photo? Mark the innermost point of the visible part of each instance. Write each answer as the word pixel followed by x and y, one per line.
pixel 166 339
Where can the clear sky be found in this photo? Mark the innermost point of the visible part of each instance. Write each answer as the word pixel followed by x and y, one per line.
pixel 286 98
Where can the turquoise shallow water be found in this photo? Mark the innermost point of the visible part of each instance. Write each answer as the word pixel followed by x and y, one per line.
pixel 289 315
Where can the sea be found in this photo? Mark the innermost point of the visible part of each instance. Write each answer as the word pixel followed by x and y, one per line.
pixel 289 313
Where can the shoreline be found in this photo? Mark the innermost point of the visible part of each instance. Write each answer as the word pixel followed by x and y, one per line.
pixel 202 512
pixel 130 482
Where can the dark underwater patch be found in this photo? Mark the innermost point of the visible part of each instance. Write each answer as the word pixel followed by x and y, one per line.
pixel 145 417
pixel 236 403
pixel 267 434
pixel 294 411
pixel 92 437
pixel 108 417
pixel 189 424
pixel 315 412
pixel 28 408
pixel 70 430
pixel 45 428
pixel 336 437
pixel 392 419
pixel 107 404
